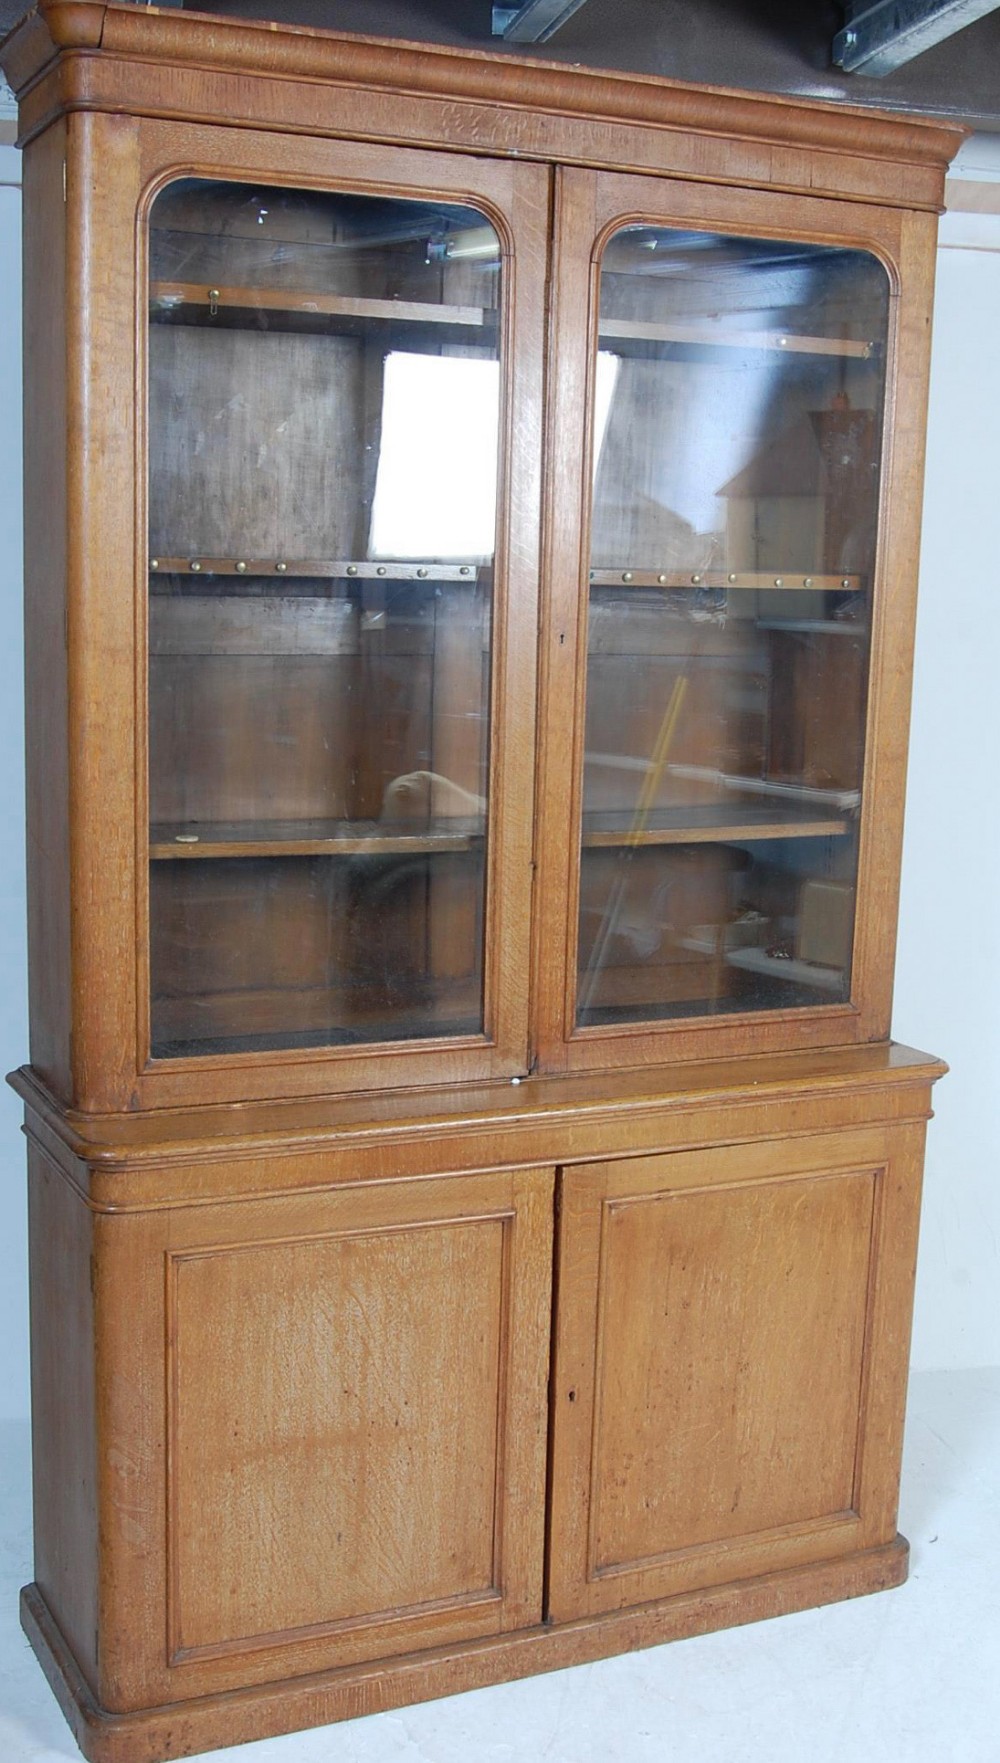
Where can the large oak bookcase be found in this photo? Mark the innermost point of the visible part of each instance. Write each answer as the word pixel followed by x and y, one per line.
pixel 473 1191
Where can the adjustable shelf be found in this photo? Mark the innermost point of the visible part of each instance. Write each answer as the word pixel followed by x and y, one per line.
pixel 707 335
pixel 815 627
pixel 328 568
pixel 751 580
pixel 193 303
pixel 780 967
pixel 786 967
pixel 710 823
pixel 311 838
pixel 188 302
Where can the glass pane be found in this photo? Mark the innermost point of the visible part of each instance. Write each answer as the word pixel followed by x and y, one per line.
pixel 738 404
pixel 323 423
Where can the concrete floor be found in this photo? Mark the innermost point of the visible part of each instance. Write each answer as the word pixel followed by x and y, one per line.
pixel 910 1676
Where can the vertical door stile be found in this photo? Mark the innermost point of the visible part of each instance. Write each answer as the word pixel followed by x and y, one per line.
pixel 563 624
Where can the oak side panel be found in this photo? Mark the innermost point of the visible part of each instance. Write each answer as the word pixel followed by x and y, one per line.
pixel 102 184
pixel 45 555
pixel 64 1399
pixel 724 1351
pixel 890 1320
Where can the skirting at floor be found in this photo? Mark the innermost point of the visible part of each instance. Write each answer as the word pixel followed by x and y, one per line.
pixel 908 1676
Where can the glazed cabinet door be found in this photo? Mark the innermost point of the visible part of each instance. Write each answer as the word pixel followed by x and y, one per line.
pixel 340 604
pixel 346 1457
pixel 313 630
pixel 730 1364
pixel 731 573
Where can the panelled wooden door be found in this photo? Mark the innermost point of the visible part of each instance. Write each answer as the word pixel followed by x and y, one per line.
pixel 350 1460
pixel 730 1363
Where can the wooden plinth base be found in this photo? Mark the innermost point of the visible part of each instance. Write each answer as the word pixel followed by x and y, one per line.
pixel 150 1735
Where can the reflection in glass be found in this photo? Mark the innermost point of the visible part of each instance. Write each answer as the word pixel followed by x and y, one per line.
pixel 323 425
pixel 732 551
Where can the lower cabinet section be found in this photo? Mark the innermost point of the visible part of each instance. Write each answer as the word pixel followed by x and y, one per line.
pixel 323 1450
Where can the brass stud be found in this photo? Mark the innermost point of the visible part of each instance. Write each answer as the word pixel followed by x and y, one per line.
pixel 779 581
pixel 381 570
pixel 732 578
pixel 696 580
pixel 626 575
pixel 154 563
pixel 422 574
pixel 281 568
pixel 352 569
pixel 662 580
pixel 241 568
pixel 195 566
pixel 845 581
pixel 465 570
pixel 808 582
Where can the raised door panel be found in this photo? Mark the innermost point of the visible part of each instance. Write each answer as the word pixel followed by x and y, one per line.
pixel 718 1364
pixel 353 1432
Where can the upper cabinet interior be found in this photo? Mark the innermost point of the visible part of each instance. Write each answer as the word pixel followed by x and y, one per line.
pixel 736 423
pixel 324 406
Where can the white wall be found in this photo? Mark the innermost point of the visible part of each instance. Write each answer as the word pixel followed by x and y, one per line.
pixel 948 976
pixel 948 969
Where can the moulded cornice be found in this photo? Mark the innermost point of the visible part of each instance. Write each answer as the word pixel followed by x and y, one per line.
pixel 201 41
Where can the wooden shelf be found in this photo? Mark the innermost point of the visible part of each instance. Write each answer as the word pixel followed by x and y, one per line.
pixel 709 823
pixel 707 335
pixel 798 795
pixel 802 973
pixel 781 967
pixel 312 838
pixel 186 300
pixel 191 301
pixel 750 580
pixel 329 568
pixel 806 627
pixel 170 300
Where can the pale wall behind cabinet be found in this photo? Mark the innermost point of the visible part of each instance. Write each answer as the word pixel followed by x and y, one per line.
pixel 948 968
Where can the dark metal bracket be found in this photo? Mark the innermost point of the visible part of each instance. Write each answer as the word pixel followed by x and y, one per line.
pixel 534 22
pixel 881 36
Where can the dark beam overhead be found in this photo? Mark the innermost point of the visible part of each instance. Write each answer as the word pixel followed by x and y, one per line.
pixel 534 22
pixel 880 37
